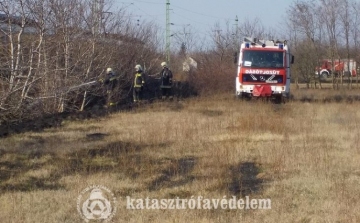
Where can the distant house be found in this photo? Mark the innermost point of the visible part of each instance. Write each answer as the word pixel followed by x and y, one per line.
pixel 189 64
pixel 16 22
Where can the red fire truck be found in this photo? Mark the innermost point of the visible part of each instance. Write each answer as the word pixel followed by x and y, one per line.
pixel 343 67
pixel 264 69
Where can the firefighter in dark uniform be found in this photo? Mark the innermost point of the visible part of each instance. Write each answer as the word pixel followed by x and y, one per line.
pixel 110 84
pixel 166 81
pixel 139 82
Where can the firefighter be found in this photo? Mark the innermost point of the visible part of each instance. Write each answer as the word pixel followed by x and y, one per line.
pixel 139 82
pixel 166 81
pixel 110 84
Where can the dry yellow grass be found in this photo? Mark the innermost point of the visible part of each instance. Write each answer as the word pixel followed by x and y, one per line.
pixel 302 156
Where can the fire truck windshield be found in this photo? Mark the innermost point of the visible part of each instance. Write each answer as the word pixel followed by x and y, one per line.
pixel 262 59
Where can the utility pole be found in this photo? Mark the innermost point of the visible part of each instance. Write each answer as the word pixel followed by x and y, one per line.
pixel 185 33
pixel 97 16
pixel 236 33
pixel 168 32
pixel 185 42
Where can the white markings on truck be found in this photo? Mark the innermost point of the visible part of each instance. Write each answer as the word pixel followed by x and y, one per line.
pixel 256 71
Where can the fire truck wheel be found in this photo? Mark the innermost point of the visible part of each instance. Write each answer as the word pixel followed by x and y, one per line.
pixel 324 74
pixel 240 97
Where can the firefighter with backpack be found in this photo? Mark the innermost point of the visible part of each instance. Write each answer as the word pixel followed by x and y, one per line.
pixel 139 82
pixel 110 83
pixel 166 81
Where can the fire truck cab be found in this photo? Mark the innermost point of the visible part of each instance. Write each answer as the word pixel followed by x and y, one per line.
pixel 263 69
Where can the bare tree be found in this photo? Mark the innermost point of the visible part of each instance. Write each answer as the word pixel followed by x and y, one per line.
pixel 51 46
pixel 329 14
pixel 252 28
pixel 345 23
pixel 20 49
pixel 302 17
pixel 355 32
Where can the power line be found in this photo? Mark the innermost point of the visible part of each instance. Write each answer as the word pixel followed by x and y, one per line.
pixel 197 13
pixel 179 16
pixel 155 3
pixel 154 17
pixel 191 19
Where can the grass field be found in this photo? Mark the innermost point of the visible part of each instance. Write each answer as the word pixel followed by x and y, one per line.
pixel 303 156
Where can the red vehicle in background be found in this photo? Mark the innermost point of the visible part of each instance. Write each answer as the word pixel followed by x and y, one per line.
pixel 345 67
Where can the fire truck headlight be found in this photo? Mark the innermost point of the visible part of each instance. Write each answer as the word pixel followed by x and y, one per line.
pixel 280 89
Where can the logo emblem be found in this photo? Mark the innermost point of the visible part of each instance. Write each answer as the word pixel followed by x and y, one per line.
pixel 96 203
pixel 262 78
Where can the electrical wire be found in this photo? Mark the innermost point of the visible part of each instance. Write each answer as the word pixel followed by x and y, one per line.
pixel 155 17
pixel 177 13
pixel 191 19
pixel 155 3
pixel 197 13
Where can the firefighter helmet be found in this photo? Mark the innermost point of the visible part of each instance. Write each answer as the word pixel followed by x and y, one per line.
pixel 109 70
pixel 138 67
pixel 163 64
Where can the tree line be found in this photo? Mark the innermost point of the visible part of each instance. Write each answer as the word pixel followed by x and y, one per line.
pixel 320 29
pixel 50 46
